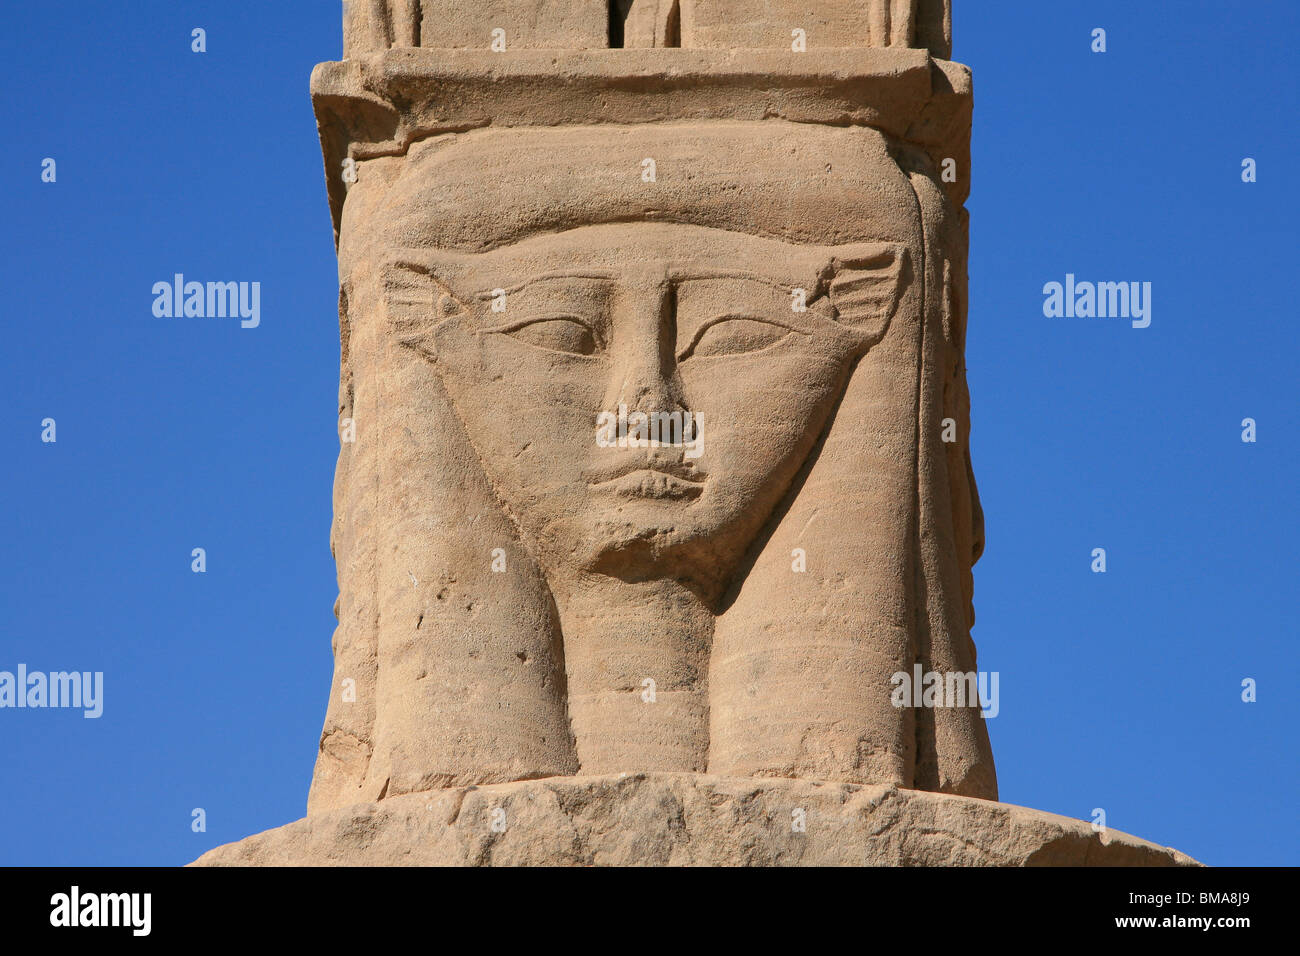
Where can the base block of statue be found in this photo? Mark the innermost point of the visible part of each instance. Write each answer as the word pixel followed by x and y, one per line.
pixel 683 819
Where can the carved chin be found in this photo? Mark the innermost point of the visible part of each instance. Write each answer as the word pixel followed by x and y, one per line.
pixel 686 555
pixel 650 538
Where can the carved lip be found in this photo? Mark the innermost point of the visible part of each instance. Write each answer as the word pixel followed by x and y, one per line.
pixel 652 483
pixel 672 466
pixel 654 476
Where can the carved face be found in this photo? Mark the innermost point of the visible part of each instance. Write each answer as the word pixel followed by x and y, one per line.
pixel 642 395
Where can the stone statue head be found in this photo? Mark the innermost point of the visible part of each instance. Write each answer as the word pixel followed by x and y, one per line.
pixel 723 336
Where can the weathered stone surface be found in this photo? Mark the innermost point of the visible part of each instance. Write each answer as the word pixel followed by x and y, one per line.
pixel 688 820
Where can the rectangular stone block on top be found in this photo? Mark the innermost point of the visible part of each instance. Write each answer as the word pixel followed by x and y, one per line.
pixel 645 23
pixel 539 24
pixel 832 23
pixel 374 25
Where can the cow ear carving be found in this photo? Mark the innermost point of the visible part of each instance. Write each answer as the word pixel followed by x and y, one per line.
pixel 417 302
pixel 864 289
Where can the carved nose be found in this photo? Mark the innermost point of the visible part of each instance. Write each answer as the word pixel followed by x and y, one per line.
pixel 645 377
pixel 654 389
pixel 650 391
pixel 645 369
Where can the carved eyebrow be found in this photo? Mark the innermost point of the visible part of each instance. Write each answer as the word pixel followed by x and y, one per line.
pixel 686 275
pixel 675 274
pixel 587 274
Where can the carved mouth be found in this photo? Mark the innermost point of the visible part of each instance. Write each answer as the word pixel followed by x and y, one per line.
pixel 650 483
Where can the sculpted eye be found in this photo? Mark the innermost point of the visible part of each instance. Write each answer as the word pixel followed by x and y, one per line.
pixel 557 333
pixel 734 335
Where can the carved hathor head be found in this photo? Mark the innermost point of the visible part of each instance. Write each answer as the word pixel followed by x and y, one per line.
pixel 555 287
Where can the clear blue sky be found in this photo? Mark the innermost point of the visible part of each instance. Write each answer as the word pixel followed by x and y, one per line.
pixel 1118 690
